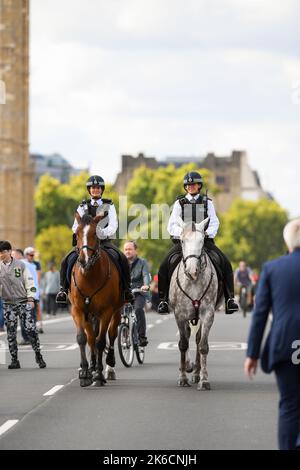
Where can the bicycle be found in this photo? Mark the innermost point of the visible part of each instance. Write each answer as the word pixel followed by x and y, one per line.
pixel 243 300
pixel 128 338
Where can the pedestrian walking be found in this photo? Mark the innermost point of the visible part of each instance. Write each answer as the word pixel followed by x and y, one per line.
pixel 18 294
pixel 278 290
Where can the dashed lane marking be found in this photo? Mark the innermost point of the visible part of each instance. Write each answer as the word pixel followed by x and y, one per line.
pixel 217 346
pixel 53 390
pixel 45 347
pixel 7 425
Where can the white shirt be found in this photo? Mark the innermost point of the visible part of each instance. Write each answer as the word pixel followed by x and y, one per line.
pixel 174 228
pixel 110 230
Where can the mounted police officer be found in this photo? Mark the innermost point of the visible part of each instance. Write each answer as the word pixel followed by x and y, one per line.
pixel 194 206
pixel 95 186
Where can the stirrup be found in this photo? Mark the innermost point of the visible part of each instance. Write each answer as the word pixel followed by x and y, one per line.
pixel 62 297
pixel 163 308
pixel 231 306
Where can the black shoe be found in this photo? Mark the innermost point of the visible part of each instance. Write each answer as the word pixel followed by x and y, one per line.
pixel 40 361
pixel 62 297
pixel 15 364
pixel 231 306
pixel 143 341
pixel 163 308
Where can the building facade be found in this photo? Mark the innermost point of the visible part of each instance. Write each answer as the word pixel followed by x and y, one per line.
pixel 233 175
pixel 17 215
pixel 54 165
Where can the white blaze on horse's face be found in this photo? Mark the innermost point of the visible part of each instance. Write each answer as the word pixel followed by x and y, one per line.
pixel 85 242
pixel 192 237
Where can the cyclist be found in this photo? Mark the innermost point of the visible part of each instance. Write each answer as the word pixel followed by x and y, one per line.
pixel 243 277
pixel 140 279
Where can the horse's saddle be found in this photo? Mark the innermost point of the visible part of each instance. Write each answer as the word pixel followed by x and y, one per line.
pixel 112 253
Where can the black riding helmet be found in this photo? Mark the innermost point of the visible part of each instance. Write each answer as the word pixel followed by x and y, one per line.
pixel 191 178
pixel 95 180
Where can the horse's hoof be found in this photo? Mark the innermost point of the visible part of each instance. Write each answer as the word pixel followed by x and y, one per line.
pixel 85 374
pixel 110 375
pixel 183 383
pixel 204 385
pixel 85 382
pixel 195 379
pixel 99 383
pixel 189 368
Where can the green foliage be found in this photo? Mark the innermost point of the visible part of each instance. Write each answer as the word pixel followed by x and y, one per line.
pixel 56 203
pixel 252 231
pixel 53 243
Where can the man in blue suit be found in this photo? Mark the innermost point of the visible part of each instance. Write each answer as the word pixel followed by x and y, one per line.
pixel 279 291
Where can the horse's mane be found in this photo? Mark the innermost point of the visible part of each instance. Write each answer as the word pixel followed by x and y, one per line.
pixel 86 219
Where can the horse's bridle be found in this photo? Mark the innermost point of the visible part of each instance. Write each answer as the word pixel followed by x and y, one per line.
pixel 196 302
pixel 92 260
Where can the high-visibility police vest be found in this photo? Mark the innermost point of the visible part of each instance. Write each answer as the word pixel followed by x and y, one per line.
pixel 194 211
pixel 93 211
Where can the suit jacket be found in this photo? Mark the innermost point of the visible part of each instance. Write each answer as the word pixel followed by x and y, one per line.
pixel 279 291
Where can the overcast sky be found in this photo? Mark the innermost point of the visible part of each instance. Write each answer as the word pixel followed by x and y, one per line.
pixel 169 78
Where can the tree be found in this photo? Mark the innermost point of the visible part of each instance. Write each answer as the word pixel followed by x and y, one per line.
pixel 252 231
pixel 53 243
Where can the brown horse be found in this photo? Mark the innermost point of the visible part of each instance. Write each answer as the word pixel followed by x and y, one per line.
pixel 96 299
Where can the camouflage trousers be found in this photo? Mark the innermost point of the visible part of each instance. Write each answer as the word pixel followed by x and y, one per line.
pixel 11 314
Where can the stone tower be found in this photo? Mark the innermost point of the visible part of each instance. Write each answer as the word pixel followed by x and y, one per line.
pixel 17 215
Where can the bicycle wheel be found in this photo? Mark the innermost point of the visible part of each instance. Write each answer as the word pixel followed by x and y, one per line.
pixel 140 354
pixel 125 345
pixel 139 350
pixel 243 301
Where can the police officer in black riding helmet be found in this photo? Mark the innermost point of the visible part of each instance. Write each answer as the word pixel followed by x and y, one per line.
pixel 96 186
pixel 193 206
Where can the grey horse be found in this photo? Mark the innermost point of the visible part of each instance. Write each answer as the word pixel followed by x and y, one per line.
pixel 193 297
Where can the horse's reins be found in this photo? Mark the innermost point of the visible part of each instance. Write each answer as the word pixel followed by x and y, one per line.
pixel 196 302
pixel 96 255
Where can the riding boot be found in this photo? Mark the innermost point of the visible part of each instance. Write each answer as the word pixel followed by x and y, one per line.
pixel 228 286
pixel 163 287
pixel 165 272
pixel 62 296
pixel 230 305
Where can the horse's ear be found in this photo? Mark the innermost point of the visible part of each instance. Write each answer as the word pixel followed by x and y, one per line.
pixel 77 217
pixel 203 225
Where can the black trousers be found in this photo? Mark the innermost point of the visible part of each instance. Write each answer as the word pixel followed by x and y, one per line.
pixel 174 257
pixel 117 254
pixel 139 304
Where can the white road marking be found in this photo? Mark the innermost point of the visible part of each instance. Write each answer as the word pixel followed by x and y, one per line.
pixel 150 326
pixel 158 322
pixel 73 346
pixel 7 425
pixel 216 346
pixel 53 390
pixel 61 346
